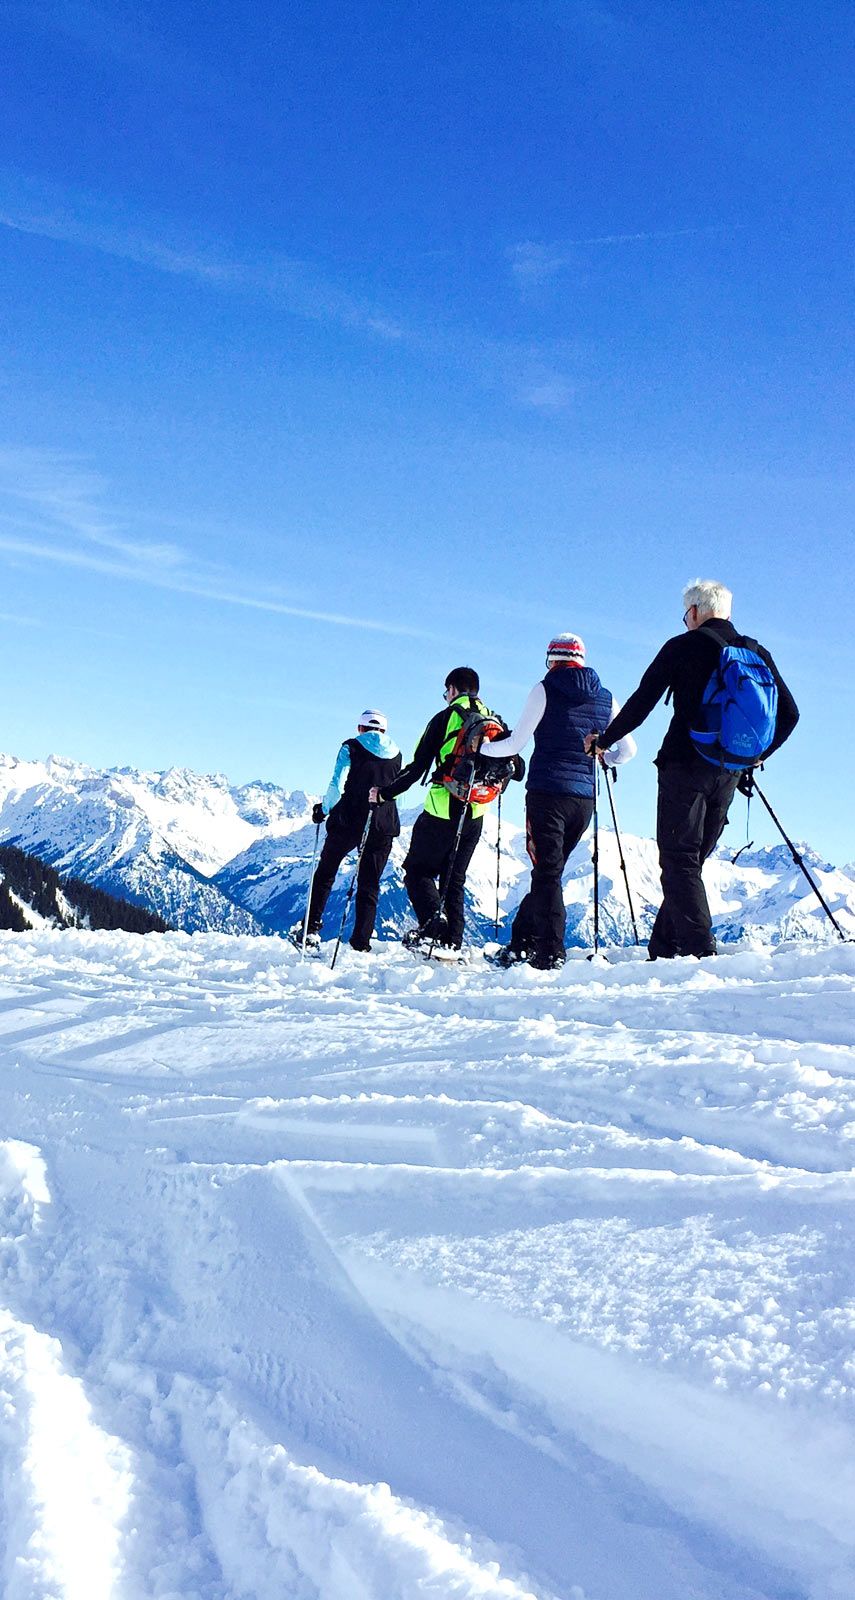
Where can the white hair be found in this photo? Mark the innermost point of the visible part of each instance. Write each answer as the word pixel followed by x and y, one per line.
pixel 712 599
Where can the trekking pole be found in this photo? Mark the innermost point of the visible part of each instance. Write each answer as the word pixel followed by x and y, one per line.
pixel 748 842
pixel 613 775
pixel 352 885
pixel 596 855
pixel 309 895
pixel 498 861
pixel 440 910
pixel 799 860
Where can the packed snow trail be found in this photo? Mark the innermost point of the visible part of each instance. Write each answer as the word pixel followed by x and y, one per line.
pixel 407 1281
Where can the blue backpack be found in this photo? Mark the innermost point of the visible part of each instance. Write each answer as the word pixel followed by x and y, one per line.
pixel 739 708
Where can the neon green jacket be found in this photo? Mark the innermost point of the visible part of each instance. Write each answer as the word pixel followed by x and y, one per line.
pixel 432 750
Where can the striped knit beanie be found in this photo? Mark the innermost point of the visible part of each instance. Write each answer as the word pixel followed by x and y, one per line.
pixel 565 650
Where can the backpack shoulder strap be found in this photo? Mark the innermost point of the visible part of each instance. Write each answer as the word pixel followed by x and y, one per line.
pixel 741 642
pixel 453 725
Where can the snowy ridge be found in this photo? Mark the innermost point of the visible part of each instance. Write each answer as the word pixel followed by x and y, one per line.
pixel 207 856
pixel 153 838
pixel 398 1282
pixel 32 895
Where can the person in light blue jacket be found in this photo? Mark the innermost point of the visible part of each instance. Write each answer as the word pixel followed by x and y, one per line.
pixel 369 761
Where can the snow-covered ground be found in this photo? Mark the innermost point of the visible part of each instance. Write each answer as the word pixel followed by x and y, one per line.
pixel 402 1282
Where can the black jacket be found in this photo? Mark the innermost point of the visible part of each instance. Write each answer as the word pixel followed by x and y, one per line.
pixel 684 665
pixel 425 758
pixel 367 771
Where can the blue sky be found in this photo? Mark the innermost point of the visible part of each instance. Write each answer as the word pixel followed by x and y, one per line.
pixel 346 343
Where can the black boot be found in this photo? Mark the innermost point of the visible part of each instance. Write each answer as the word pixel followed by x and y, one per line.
pixel 547 960
pixel 508 956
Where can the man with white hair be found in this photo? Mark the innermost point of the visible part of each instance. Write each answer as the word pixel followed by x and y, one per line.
pixel 363 763
pixel 559 799
pixel 698 774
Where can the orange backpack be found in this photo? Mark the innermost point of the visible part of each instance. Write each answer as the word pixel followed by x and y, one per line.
pixel 465 772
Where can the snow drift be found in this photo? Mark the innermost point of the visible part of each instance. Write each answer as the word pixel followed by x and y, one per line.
pixel 399 1282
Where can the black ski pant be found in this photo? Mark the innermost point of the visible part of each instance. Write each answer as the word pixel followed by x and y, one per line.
pixel 694 799
pixel 338 843
pixel 554 824
pixel 426 869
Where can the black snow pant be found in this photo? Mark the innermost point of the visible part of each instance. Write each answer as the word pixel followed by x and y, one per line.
pixel 694 799
pixel 426 869
pixel 338 843
pixel 554 824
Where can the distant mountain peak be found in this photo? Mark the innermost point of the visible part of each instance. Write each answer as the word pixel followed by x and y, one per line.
pixel 206 854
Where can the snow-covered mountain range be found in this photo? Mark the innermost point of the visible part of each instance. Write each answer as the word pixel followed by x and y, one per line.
pixel 34 896
pixel 209 856
pixel 157 838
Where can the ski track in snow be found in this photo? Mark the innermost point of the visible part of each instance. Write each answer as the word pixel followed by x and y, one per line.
pixel 403 1282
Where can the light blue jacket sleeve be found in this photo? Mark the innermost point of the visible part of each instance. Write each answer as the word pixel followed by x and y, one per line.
pixel 338 779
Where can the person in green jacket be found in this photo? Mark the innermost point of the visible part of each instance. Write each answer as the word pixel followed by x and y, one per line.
pixel 435 831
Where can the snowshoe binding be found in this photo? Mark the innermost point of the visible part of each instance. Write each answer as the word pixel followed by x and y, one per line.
pixel 504 956
pixel 434 945
pixel 313 940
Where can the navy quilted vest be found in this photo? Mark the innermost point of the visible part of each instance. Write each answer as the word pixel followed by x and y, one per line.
pixel 576 704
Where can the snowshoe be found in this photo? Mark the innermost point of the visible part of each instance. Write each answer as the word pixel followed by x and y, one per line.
pixel 433 932
pixel 504 956
pixel 313 940
pixel 447 955
pixel 547 961
pixel 451 954
pixel 433 947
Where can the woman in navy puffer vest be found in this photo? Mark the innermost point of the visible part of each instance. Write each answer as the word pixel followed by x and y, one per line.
pixel 560 711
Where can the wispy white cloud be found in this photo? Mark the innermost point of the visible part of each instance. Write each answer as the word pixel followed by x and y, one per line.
pixel 548 393
pixel 197 586
pixel 12 619
pixel 533 375
pixel 533 263
pixel 60 493
pixel 295 286
pixel 526 373
pixel 65 521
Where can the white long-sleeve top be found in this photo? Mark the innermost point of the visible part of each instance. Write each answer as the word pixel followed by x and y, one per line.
pixel 529 718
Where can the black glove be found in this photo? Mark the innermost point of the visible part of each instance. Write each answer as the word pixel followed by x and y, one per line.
pixel 519 769
pixel 318 814
pixel 746 782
